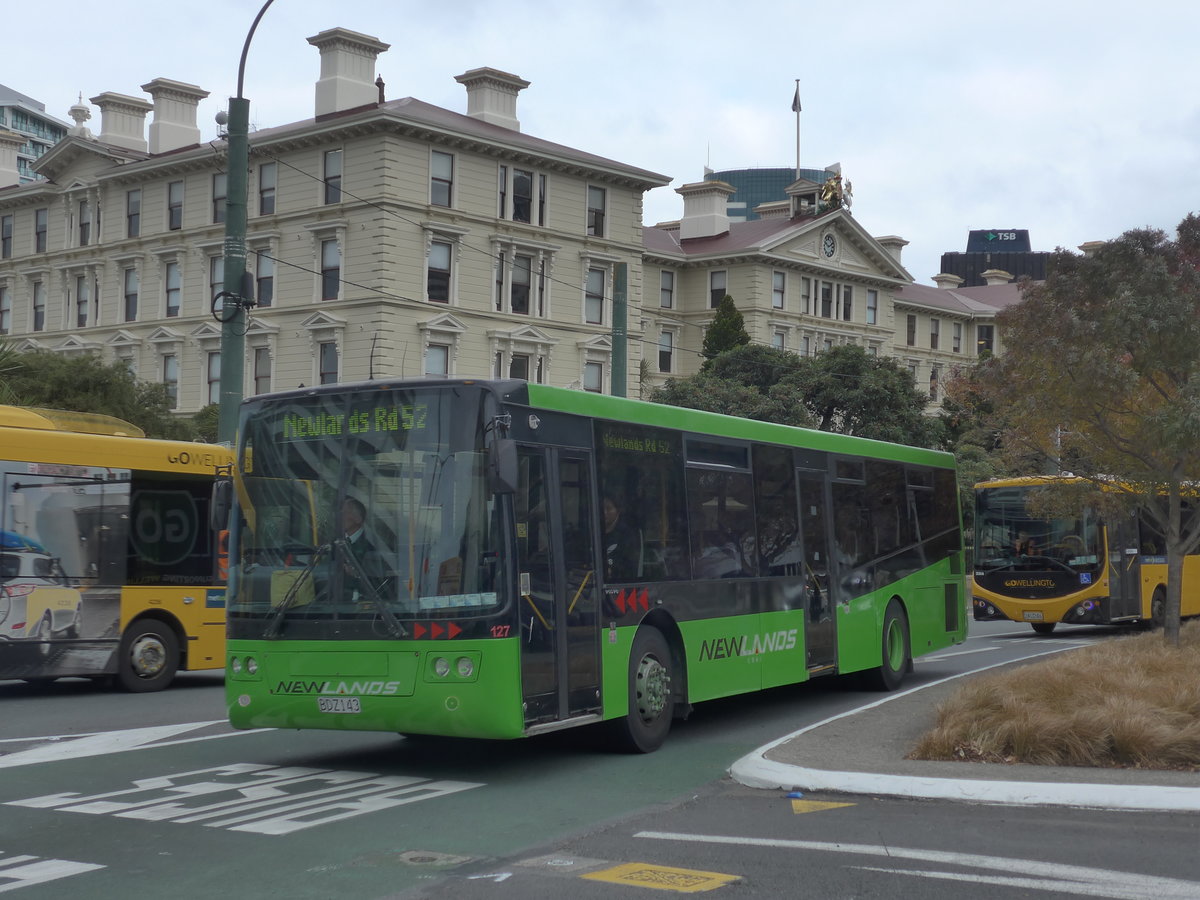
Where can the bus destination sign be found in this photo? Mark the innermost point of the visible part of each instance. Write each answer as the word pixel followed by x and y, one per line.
pixel 381 419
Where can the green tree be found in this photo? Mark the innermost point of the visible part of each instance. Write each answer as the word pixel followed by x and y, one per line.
pixel 204 423
pixel 726 331
pixel 851 392
pixel 1101 376
pixel 732 397
pixel 85 383
pixel 8 357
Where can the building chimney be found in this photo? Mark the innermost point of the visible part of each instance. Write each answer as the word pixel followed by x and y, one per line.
pixel 893 244
pixel 492 96
pixel 996 276
pixel 122 120
pixel 347 70
pixel 946 281
pixel 10 142
pixel 174 123
pixel 704 209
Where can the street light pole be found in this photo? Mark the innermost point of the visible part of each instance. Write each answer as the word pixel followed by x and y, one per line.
pixel 233 328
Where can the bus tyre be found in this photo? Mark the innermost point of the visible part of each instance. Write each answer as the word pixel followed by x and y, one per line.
pixel 148 658
pixel 1158 608
pixel 651 697
pixel 1043 627
pixel 896 657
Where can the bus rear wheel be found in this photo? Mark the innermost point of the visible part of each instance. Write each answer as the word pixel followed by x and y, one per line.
pixel 1158 608
pixel 896 653
pixel 148 658
pixel 651 697
pixel 1043 627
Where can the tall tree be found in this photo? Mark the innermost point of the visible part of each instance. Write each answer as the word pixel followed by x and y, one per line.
pixel 726 331
pixel 1101 376
pixel 85 383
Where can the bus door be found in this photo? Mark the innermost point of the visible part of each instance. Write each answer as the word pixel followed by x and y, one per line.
pixel 1124 556
pixel 820 621
pixel 557 593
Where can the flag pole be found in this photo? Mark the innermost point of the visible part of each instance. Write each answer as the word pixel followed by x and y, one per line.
pixel 796 110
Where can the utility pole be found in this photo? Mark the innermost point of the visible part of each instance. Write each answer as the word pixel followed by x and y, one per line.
pixel 233 327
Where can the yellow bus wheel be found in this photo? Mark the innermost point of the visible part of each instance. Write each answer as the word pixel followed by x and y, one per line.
pixel 148 658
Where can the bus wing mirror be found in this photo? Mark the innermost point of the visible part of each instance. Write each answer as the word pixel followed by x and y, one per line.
pixel 221 505
pixel 502 466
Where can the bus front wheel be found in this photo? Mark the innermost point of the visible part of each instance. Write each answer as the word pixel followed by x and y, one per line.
pixel 891 670
pixel 1158 608
pixel 148 658
pixel 651 697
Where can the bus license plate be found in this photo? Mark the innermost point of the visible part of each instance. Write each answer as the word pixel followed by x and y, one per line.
pixel 1033 616
pixel 339 705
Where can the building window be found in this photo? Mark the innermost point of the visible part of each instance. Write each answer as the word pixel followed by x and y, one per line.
pixel 827 344
pixel 522 196
pixel 520 284
pixel 847 303
pixel 268 173
pixel 262 370
pixel 39 306
pixel 806 296
pixel 717 283
pixel 593 297
pixel 130 280
pixel 666 290
pixel 441 178
pixel 85 223
pixel 213 372
pixel 826 300
pixel 170 378
pixel 437 279
pixel 81 301
pixel 934 377
pixel 264 280
pixel 175 205
pixel 956 339
pixel 779 340
pixel 331 269
pixel 219 193
pixel 910 334
pixel 327 363
pixel 216 277
pixel 6 237
pixel 872 307
pixel 5 311
pixel 518 366
pixel 593 377
pixel 40 227
pixel 666 351
pixel 133 213
pixel 985 339
pixel 174 288
pixel 935 329
pixel 333 176
pixel 437 359
pixel 778 289
pixel 805 346
pixel 596 205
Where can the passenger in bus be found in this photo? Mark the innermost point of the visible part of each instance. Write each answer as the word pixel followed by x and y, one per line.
pixel 366 561
pixel 621 544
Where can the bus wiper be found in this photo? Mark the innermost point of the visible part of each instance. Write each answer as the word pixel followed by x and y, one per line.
pixel 342 551
pixel 275 623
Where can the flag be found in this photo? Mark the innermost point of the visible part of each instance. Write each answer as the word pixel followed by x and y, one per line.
pixel 796 100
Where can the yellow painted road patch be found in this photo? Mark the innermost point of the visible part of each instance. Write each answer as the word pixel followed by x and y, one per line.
pixel 807 806
pixel 663 878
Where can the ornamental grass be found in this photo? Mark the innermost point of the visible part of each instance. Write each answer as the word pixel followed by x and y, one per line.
pixel 1126 702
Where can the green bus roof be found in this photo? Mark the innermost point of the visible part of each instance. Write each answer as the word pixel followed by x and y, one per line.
pixel 622 409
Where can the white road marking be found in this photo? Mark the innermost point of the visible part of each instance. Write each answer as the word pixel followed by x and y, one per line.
pixel 23 871
pixel 97 744
pixel 1049 876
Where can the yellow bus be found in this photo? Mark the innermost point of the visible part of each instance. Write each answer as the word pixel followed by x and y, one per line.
pixel 1078 569
pixel 108 564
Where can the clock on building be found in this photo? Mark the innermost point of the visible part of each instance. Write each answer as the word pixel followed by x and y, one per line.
pixel 829 245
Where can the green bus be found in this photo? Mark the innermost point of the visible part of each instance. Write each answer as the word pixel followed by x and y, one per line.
pixel 499 559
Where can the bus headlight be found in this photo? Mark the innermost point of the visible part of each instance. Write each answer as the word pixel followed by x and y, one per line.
pixel 441 667
pixel 235 665
pixel 251 665
pixel 465 667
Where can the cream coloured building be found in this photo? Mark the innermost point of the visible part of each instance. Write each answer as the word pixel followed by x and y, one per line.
pixel 385 237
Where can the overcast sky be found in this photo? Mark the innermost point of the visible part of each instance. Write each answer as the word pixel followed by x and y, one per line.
pixel 1074 120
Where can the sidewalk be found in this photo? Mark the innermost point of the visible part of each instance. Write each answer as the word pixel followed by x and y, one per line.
pixel 862 752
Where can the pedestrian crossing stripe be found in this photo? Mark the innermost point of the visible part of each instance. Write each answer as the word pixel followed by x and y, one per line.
pixel 663 878
pixel 807 806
